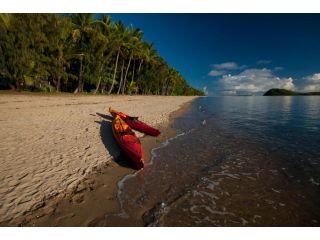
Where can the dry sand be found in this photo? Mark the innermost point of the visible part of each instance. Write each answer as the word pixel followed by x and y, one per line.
pixel 49 144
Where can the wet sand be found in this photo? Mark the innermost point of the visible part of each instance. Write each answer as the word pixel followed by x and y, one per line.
pixel 59 162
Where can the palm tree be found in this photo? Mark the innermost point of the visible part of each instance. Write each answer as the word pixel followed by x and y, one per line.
pixel 77 49
pixel 125 51
pixel 173 75
pixel 82 27
pixel 117 36
pixel 104 29
pixel 133 44
pixel 149 58
pixel 5 20
pixel 136 52
pixel 59 56
pixel 121 77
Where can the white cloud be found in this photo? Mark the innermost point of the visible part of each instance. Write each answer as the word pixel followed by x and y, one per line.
pixel 223 68
pixel 255 80
pixel 214 73
pixel 278 68
pixel 264 61
pixel 312 83
pixel 229 92
pixel 228 66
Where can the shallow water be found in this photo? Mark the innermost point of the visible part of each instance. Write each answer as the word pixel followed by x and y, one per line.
pixel 236 161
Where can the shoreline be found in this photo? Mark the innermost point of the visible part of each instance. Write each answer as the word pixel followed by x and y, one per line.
pixel 96 194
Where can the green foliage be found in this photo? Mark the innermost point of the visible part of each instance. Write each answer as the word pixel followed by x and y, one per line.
pixel 4 20
pixel 47 89
pixel 78 53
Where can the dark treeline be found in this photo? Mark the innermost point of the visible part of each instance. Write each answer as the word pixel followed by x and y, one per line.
pixel 80 53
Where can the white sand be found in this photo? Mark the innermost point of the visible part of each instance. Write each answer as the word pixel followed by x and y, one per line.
pixel 50 143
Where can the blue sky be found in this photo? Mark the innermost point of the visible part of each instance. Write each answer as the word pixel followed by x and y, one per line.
pixel 237 53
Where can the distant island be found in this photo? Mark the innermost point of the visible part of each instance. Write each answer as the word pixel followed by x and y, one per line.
pixel 284 92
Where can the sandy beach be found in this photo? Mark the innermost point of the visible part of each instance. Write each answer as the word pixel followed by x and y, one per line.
pixel 51 144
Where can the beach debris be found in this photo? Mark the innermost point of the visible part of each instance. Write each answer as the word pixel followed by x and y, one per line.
pixel 284 171
pixel 255 218
pixel 152 217
pixel 275 190
pixel 269 201
pixel 314 182
pixel 244 221
pixel 201 109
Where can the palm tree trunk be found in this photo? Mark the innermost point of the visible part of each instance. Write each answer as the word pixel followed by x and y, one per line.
pixel 140 66
pixel 98 85
pixel 134 65
pixel 18 86
pixel 125 76
pixel 58 84
pixel 103 86
pixel 132 77
pixel 19 82
pixel 80 77
pixel 99 81
pixel 115 71
pixel 121 78
pixel 164 86
pixel 167 88
pixel 80 85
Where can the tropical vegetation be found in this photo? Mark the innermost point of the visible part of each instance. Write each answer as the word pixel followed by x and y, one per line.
pixel 82 53
pixel 284 92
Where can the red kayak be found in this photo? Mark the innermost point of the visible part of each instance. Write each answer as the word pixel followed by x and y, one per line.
pixel 134 123
pixel 128 141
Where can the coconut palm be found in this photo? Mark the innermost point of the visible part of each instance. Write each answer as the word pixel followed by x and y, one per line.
pixel 116 37
pixel 57 50
pixel 103 54
pixel 133 44
pixel 82 27
pixel 77 52
pixel 5 20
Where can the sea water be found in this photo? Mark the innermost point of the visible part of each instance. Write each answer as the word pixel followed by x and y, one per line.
pixel 235 161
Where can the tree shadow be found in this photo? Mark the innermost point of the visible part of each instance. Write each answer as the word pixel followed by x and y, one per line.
pixel 110 143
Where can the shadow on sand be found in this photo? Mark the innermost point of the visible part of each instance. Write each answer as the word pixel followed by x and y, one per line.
pixel 110 144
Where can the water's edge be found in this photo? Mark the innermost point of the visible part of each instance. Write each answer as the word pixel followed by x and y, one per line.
pixel 229 172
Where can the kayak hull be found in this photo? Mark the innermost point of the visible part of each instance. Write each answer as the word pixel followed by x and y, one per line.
pixel 135 123
pixel 128 142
